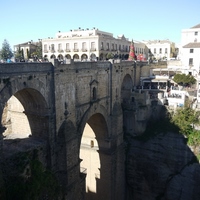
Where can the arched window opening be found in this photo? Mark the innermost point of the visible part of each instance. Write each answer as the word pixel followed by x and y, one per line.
pixel 91 143
pixel 94 93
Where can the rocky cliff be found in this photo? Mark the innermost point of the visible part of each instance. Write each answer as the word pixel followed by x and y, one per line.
pixel 162 168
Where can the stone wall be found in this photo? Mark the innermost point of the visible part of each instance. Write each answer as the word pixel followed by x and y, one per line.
pixel 162 167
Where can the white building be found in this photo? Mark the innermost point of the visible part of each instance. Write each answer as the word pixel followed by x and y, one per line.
pixel 190 52
pixel 82 45
pixel 26 49
pixel 141 50
pixel 190 35
pixel 85 44
pixel 190 48
pixel 161 49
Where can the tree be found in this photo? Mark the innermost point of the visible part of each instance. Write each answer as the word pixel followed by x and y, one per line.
pixel 185 118
pixel 183 79
pixel 19 54
pixel 38 52
pixel 110 56
pixel 6 52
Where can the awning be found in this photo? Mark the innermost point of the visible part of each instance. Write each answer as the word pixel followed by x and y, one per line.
pixel 159 80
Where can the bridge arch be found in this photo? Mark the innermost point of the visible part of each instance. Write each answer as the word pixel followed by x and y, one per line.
pixel 25 105
pixel 93 144
pixel 126 88
pixel 127 102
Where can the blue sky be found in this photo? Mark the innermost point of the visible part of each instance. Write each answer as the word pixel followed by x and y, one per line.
pixel 23 20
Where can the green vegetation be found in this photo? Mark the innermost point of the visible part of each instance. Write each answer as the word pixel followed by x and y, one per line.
pixel 186 118
pixel 183 79
pixel 6 52
pixel 183 121
pixel 38 52
pixel 19 54
pixel 109 56
pixel 29 180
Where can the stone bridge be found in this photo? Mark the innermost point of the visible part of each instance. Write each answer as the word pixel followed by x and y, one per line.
pixel 74 112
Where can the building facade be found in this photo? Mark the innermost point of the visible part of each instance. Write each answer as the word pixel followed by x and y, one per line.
pixel 161 49
pixel 26 49
pixel 190 51
pixel 190 48
pixel 85 45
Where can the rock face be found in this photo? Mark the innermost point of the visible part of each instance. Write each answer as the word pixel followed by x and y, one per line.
pixel 162 168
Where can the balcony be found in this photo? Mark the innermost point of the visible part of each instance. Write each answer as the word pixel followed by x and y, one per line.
pixel 60 51
pixel 53 51
pixel 45 51
pixel 84 50
pixel 76 50
pixel 93 49
pixel 67 50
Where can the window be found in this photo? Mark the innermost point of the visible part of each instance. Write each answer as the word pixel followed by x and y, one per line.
pixel 75 46
pixel 101 45
pixel 67 46
pixel 120 47
pixel 115 46
pixel 45 47
pixel 191 50
pixel 195 33
pixel 190 61
pixel 52 47
pixel 84 46
pixel 59 47
pixel 94 93
pixel 93 46
pixel 165 50
pixel 91 143
pixel 112 47
pixel 160 50
pixel 107 46
pixel 154 50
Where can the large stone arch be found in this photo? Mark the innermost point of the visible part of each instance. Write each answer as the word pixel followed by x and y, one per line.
pixel 93 145
pixel 126 88
pixel 34 107
pixel 65 150
pixel 128 104
pixel 93 109
pixel 35 104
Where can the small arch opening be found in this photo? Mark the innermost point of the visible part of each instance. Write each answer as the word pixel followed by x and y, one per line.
pixel 94 93
pixel 91 143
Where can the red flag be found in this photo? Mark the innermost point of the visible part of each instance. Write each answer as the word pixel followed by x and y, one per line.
pixel 132 52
